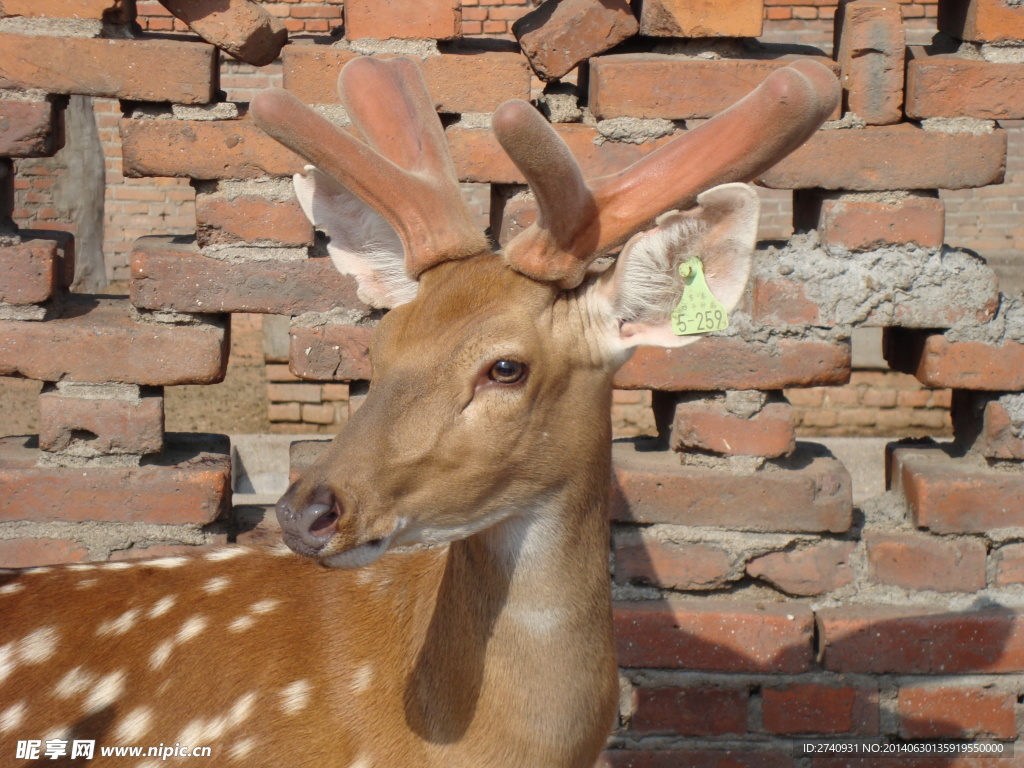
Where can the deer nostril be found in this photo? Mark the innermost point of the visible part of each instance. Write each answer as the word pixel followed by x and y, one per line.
pixel 322 521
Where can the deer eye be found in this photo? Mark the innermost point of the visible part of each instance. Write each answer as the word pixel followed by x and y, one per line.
pixel 507 372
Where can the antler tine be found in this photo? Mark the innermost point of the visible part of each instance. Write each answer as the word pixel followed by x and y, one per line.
pixel 736 145
pixel 404 170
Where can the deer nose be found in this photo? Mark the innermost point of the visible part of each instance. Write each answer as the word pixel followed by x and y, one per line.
pixel 308 527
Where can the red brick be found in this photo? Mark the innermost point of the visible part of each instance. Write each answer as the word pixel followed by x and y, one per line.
pixel 675 566
pixel 330 352
pixel 889 157
pixel 948 86
pixel 864 225
pixel 28 129
pixel 115 425
pixel 140 70
pixel 690 711
pixel 653 487
pixel 698 758
pixel 812 570
pixel 168 276
pixel 948 712
pixel 940 363
pixel 1009 560
pixel 248 219
pixel 479 158
pixel 869 44
pixel 29 552
pixel 438 19
pixel 909 640
pixel 681 18
pixel 561 34
pixel 203 149
pixel 29 273
pixel 981 421
pixel 719 363
pixel 304 392
pixel 470 81
pixel 190 484
pixel 241 28
pixel 983 21
pixel 676 88
pixel 917 561
pixel 98 340
pixel 714 635
pixel 113 11
pixel 709 426
pixel 776 301
pixel 813 708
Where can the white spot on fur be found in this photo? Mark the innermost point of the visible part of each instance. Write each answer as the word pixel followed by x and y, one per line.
pixel 264 606
pixel 82 567
pixel 240 749
pixel 11 717
pixel 295 697
pixel 117 566
pixel 362 678
pixel 7 660
pixel 57 733
pixel 120 625
pixel 104 693
pixel 241 624
pixel 162 606
pixel 190 629
pixel 133 726
pixel 73 683
pixel 361 762
pixel 10 589
pixel 228 553
pixel 281 550
pixel 241 710
pixel 218 584
pixel 162 653
pixel 38 646
pixel 86 583
pixel 167 562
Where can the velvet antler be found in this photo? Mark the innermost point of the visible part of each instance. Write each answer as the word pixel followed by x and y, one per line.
pixel 577 221
pixel 401 168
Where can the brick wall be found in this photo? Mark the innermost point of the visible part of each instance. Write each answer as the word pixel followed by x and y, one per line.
pixel 755 604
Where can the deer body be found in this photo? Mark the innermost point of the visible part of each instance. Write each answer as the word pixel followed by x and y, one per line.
pixel 452 605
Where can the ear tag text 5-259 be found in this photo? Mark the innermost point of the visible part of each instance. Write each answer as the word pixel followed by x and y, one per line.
pixel 698 311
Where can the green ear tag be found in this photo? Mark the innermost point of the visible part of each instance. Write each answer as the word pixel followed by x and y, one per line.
pixel 698 311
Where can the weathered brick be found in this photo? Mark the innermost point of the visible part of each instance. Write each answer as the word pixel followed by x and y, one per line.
pixel 330 352
pixel 864 225
pixel 140 70
pixel 29 552
pixel 320 413
pixel 303 392
pixel 105 425
pixel 29 272
pixel 468 81
pixel 949 86
pixel 938 362
pixel 690 711
pixel 251 219
pixel 653 487
pixel 697 758
pixel 917 561
pixel 29 129
pixel 948 712
pixel 560 34
pixel 983 21
pixel 812 570
pixel 437 19
pixel 710 426
pixel 675 566
pixel 714 635
pixel 1009 562
pixel 813 708
pixel 241 28
pixel 191 483
pixel 869 45
pixel 203 149
pixel 955 495
pixel 113 11
pixel 479 157
pixel 98 340
pixel 284 412
pixel 982 422
pixel 889 157
pixel 675 87
pixel 911 640
pixel 777 301
pixel 723 18
pixel 166 275
pixel 719 363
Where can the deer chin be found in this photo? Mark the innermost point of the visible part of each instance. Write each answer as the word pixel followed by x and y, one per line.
pixel 341 552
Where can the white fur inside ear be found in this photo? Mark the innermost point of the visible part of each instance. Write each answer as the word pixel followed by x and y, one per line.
pixel 362 242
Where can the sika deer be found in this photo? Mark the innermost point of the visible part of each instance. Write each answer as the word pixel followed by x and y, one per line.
pixel 452 604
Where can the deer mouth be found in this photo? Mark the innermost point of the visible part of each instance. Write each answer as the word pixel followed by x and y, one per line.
pixel 360 555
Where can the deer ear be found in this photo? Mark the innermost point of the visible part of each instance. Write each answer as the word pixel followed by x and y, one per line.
pixel 363 244
pixel 645 285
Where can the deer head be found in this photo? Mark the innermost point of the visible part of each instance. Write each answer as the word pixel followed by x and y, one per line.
pixel 492 371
